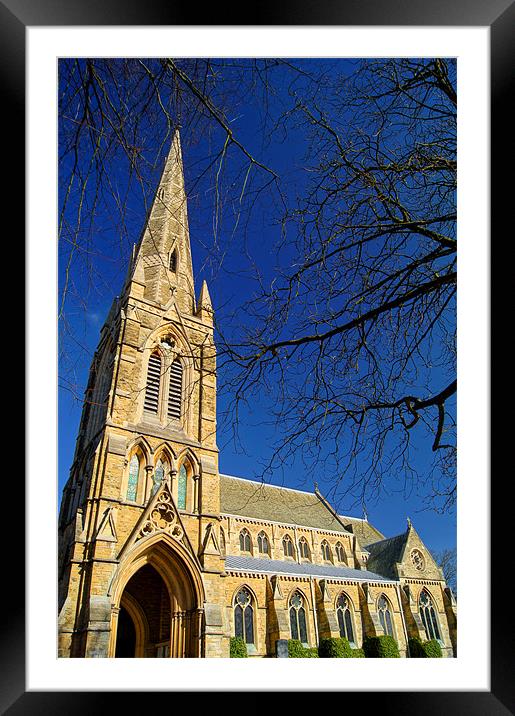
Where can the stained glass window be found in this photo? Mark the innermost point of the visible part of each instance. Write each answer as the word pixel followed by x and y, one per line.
pixel 182 488
pixel 244 616
pixel 340 554
pixel 428 614
pixel 132 487
pixel 159 474
pixel 344 618
pixel 385 615
pixel 298 618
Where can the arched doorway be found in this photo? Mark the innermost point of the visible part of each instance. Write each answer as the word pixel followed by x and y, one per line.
pixel 158 596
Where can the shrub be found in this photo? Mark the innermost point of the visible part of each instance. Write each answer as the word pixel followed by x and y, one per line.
pixel 332 648
pixel 357 654
pixel 238 648
pixel 381 647
pixel 433 649
pixel 297 651
pixel 419 649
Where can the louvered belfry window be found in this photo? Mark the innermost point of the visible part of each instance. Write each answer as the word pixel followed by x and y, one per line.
pixel 153 381
pixel 175 390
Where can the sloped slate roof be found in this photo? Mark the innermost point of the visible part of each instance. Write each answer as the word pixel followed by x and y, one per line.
pixel 385 554
pixel 365 533
pixel 277 504
pixel 275 566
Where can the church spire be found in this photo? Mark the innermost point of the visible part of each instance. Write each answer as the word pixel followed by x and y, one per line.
pixel 163 269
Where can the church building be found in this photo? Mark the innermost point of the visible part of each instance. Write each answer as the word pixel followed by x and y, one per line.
pixel 161 555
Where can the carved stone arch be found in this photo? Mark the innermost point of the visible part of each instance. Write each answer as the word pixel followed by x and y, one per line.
pixel 166 448
pixel 244 585
pixel 188 454
pixel 292 592
pixel 183 581
pixel 144 445
pixel 342 592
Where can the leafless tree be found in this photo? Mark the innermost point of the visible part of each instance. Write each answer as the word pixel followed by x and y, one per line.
pixel 446 559
pixel 355 338
pixel 351 338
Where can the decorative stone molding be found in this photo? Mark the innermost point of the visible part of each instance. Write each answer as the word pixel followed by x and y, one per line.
pixel 162 517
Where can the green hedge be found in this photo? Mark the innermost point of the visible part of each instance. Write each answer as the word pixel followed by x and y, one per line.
pixel 419 649
pixel 381 647
pixel 238 649
pixel 332 648
pixel 357 654
pixel 297 651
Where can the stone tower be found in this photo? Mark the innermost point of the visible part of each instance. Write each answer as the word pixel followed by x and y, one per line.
pixel 139 558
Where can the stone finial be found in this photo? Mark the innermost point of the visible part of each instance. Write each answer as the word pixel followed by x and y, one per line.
pixel 204 305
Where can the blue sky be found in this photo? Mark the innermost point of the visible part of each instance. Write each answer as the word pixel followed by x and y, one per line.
pixel 224 255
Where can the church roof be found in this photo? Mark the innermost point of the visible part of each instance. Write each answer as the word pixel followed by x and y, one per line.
pixel 364 531
pixel 236 563
pixel 385 554
pixel 261 501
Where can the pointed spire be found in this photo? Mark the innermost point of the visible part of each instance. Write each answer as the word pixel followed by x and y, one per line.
pixel 162 267
pixel 204 305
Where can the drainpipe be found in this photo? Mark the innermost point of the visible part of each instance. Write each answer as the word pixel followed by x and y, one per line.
pixel 315 621
pixel 403 620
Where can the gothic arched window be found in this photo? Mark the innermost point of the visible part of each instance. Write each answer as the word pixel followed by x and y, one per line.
pixel 304 550
pixel 182 487
pixel 287 546
pixel 173 261
pixel 159 475
pixel 263 543
pixel 132 485
pixel 326 551
pixel 245 541
pixel 175 390
pixel 298 618
pixel 344 618
pixel 151 404
pixel 428 614
pixel 385 615
pixel 244 616
pixel 340 553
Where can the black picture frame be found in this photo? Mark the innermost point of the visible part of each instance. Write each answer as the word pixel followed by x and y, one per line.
pixel 499 16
